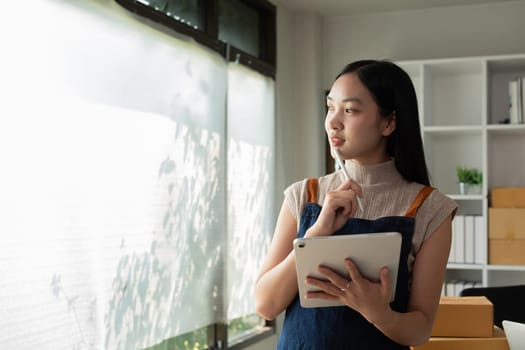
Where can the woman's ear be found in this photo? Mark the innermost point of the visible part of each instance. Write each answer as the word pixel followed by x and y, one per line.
pixel 390 124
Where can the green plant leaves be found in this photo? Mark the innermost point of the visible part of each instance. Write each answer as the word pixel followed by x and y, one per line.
pixel 469 175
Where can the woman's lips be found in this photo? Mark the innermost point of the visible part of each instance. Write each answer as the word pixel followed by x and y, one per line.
pixel 336 141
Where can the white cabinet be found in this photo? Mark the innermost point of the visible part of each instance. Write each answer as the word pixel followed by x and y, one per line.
pixel 462 102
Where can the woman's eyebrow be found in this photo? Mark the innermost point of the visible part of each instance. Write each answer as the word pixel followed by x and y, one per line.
pixel 353 99
pixel 347 99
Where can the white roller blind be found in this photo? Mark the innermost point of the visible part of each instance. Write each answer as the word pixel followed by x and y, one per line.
pixel 250 182
pixel 112 190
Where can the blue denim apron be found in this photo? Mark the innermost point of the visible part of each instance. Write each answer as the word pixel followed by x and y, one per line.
pixel 340 327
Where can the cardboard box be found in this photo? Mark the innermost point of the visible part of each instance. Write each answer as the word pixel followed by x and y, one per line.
pixel 464 317
pixel 498 341
pixel 506 251
pixel 506 236
pixel 508 197
pixel 507 223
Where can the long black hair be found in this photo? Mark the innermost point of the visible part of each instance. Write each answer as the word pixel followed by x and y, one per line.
pixel 394 92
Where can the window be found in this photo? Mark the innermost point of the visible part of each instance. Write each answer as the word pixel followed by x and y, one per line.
pixel 243 31
pixel 132 171
pixel 239 25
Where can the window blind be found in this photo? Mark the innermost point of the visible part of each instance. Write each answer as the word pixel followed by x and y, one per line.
pixel 115 193
pixel 250 182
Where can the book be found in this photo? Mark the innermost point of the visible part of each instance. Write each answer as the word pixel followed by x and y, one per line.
pixel 513 101
pixel 452 254
pixel 458 239
pixel 450 288
pixel 516 100
pixel 480 240
pixel 519 100
pixel 469 239
pixel 522 100
pixel 458 287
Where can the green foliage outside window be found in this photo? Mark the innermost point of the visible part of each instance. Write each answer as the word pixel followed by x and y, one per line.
pixel 197 340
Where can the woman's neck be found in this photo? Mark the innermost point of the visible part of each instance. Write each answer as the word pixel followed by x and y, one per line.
pixel 371 174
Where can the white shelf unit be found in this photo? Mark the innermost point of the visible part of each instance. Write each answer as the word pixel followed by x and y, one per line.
pixel 462 102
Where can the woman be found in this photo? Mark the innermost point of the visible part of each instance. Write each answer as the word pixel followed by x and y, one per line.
pixel 373 122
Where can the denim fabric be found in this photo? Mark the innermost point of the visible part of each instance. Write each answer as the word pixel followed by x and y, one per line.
pixel 341 328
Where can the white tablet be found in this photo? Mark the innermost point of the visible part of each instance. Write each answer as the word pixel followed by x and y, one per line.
pixel 370 252
pixel 515 333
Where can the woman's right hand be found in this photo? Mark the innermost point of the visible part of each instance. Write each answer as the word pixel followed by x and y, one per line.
pixel 338 206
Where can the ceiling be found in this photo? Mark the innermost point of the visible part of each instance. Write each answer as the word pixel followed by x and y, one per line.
pixel 349 7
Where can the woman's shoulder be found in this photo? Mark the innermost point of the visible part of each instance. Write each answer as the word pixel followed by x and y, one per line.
pixel 438 198
pixel 295 196
pixel 436 208
pixel 295 188
pixel 434 201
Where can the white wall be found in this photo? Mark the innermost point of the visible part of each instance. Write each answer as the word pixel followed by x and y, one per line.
pixel 299 94
pixel 472 30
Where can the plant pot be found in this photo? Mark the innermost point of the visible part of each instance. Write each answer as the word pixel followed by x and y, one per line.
pixel 474 189
pixel 465 188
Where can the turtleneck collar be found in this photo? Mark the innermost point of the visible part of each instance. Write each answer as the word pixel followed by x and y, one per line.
pixel 373 174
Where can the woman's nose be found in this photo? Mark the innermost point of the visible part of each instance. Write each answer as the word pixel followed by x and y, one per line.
pixel 333 121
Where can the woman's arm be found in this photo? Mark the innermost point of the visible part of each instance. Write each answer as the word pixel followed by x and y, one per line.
pixel 276 285
pixel 415 326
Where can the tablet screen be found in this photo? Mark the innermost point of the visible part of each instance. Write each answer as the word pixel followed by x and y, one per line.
pixel 370 252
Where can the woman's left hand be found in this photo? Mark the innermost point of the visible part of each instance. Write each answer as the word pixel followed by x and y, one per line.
pixel 371 299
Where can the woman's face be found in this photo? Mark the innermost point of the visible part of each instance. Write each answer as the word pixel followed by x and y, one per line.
pixel 353 123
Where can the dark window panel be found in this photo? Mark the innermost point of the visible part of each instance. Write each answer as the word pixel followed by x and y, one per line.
pixel 239 26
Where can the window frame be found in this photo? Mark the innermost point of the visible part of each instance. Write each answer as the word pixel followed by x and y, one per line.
pixel 266 64
pixel 217 333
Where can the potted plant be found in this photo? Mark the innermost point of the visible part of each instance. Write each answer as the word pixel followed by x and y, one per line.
pixel 469 179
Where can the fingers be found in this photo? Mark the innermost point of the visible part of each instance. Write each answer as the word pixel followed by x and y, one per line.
pixel 353 270
pixel 338 206
pixel 333 287
pixel 356 291
pixel 344 200
pixel 386 283
pixel 352 189
pixel 325 288
pixel 347 286
pixel 350 185
pixel 352 287
pixel 335 278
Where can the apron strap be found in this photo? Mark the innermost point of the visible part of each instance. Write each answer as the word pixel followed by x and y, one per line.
pixel 312 185
pixel 420 198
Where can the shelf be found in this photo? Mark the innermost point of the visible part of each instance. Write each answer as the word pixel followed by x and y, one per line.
pixel 505 158
pixel 506 129
pixel 500 72
pixel 455 266
pixel 460 129
pixel 453 92
pixel 467 197
pixel 506 267
pixel 445 151
pixel 462 102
